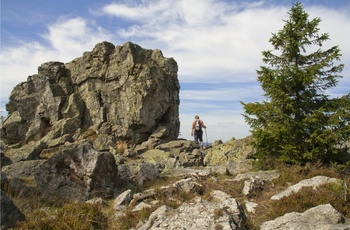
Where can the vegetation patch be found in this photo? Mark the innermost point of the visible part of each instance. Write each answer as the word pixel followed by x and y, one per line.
pixel 70 216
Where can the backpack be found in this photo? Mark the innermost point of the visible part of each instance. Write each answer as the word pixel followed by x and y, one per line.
pixel 198 126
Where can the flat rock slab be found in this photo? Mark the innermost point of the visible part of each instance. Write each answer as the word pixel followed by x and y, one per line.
pixel 312 182
pixel 322 217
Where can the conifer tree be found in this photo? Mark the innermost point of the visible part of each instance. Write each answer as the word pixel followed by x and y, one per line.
pixel 298 121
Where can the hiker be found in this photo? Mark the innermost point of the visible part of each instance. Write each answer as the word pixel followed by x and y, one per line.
pixel 197 131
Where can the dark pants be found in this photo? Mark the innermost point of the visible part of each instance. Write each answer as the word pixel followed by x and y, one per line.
pixel 198 136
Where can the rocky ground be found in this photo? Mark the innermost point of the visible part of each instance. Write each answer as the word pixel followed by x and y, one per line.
pixel 178 186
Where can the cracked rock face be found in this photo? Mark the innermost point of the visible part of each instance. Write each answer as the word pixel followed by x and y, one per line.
pixel 124 92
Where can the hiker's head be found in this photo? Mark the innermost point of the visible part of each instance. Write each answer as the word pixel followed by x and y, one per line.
pixel 197 117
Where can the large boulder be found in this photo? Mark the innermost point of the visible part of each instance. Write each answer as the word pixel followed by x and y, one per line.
pixel 19 177
pixel 234 155
pixel 78 173
pixel 125 92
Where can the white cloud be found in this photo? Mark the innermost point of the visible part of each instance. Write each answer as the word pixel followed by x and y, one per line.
pixel 143 13
pixel 222 94
pixel 20 62
pixel 66 39
pixel 72 36
pixel 206 37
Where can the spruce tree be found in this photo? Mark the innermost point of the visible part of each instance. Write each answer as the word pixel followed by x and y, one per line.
pixel 298 122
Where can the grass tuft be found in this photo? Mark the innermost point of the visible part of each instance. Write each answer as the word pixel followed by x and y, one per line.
pixel 70 216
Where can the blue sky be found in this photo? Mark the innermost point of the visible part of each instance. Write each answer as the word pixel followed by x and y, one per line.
pixel 216 43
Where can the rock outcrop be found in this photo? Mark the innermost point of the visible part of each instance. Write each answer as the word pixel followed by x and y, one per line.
pixel 68 123
pixel 113 93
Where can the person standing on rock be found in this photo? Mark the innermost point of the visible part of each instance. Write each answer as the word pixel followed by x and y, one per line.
pixel 197 131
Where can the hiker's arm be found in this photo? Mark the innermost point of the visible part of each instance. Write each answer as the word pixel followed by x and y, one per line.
pixel 202 123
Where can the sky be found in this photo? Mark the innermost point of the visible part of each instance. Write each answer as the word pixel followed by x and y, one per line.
pixel 217 45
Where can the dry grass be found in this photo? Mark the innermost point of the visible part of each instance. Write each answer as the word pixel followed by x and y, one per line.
pixel 130 219
pixel 121 146
pixel 70 216
pixel 217 213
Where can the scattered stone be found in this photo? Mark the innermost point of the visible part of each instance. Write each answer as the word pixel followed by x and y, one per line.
pixel 253 186
pixel 124 198
pixel 220 211
pixel 188 185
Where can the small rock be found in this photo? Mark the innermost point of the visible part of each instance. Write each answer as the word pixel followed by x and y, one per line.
pixel 252 186
pixel 123 199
